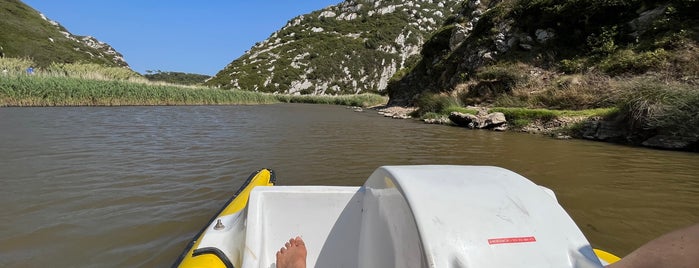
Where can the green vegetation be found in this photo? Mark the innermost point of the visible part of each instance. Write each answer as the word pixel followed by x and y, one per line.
pixel 178 78
pixel 634 61
pixel 360 100
pixel 520 117
pixel 66 91
pixel 436 103
pixel 334 55
pixel 15 66
pixel 90 71
pixel 25 34
pixel 440 105
pixel 671 108
pixel 92 84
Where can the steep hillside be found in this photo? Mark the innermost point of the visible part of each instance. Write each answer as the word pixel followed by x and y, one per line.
pixel 637 59
pixel 495 50
pixel 26 33
pixel 353 47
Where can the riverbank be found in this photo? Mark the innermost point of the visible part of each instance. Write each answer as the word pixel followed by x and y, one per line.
pixel 37 90
pixel 604 124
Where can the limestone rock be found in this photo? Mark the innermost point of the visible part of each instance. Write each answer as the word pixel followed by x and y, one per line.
pixel 438 121
pixel 645 20
pixel 464 120
pixel 458 36
pixel 495 121
pixel 543 36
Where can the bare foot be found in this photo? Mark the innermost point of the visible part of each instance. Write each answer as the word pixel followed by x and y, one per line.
pixel 293 254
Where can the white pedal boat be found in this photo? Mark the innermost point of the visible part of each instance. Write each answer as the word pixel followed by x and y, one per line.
pixel 403 216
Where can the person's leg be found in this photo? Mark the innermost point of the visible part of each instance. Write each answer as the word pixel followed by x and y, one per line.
pixel 293 254
pixel 677 249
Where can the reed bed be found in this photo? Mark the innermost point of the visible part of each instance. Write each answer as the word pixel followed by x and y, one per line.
pixel 14 66
pixel 361 100
pixel 91 71
pixel 88 84
pixel 25 90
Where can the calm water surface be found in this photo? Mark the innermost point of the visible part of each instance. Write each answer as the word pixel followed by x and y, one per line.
pixel 129 186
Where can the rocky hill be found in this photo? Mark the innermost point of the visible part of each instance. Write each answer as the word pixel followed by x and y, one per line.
pixel 521 52
pixel 353 47
pixel 26 33
pixel 637 58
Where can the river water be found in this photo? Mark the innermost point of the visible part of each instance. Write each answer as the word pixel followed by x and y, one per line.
pixel 129 186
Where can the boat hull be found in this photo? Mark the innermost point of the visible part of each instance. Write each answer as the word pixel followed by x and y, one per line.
pixel 196 256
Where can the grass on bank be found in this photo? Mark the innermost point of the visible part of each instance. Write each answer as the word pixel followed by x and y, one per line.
pixel 671 108
pixel 89 84
pixel 27 90
pixel 645 103
pixel 520 117
pixel 361 100
pixel 93 71
pixel 663 101
pixel 441 105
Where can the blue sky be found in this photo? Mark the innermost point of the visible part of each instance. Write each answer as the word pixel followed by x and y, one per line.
pixel 184 36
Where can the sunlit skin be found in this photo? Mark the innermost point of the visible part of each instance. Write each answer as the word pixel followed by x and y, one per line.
pixel 677 249
pixel 293 254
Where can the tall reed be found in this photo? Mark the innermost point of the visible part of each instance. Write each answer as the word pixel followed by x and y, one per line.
pixel 671 108
pixel 67 84
pixel 24 90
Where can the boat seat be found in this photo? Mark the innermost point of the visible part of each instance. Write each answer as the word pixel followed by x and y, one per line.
pixel 327 218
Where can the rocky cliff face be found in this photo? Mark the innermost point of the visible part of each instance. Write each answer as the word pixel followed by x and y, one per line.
pixel 638 56
pixel 24 32
pixel 570 36
pixel 353 47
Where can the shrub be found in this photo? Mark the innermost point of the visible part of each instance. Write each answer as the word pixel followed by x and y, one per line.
pixel 507 100
pixel 667 107
pixel 495 81
pixel 628 61
pixel 577 92
pixel 573 65
pixel 603 43
pixel 435 103
pixel 509 74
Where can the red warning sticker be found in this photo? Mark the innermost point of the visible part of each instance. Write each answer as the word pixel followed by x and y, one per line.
pixel 511 240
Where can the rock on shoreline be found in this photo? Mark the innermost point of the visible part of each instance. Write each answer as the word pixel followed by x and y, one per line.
pixel 494 121
pixel 591 128
pixel 396 112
